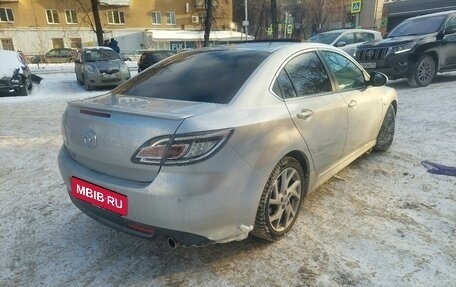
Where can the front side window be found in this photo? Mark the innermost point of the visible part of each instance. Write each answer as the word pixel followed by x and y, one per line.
pixel 348 38
pixel 198 76
pixel 347 74
pixel 156 18
pixel 116 17
pixel 71 16
pixel 451 24
pixel 171 18
pixel 308 75
pixel 52 16
pixel 6 15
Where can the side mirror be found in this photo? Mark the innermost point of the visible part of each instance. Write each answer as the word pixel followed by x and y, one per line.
pixel 76 61
pixel 377 79
pixel 340 44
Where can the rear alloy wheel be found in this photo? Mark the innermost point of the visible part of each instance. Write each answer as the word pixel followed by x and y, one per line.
pixel 424 73
pixel 386 134
pixel 281 200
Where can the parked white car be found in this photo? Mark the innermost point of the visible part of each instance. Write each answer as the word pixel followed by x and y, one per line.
pixel 347 39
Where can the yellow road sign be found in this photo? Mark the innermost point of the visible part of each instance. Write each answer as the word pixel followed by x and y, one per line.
pixel 355 6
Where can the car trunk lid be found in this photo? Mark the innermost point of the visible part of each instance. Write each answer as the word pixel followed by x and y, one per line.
pixel 103 133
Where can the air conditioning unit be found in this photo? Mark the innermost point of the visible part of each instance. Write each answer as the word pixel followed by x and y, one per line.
pixel 195 19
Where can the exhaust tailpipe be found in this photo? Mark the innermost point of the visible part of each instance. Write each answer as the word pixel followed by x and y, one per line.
pixel 172 243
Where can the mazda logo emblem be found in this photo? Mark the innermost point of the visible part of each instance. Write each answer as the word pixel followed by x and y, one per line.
pixel 90 139
pixel 370 53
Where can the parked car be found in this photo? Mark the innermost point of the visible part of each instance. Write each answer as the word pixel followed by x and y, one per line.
pixel 15 76
pixel 210 154
pixel 347 39
pixel 59 55
pixel 416 49
pixel 100 67
pixel 148 58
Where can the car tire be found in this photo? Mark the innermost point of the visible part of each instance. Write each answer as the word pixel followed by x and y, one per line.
pixel 386 134
pixel 280 203
pixel 87 85
pixel 424 72
pixel 81 83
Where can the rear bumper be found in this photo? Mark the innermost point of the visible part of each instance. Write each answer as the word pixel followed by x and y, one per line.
pixel 120 223
pixel 193 205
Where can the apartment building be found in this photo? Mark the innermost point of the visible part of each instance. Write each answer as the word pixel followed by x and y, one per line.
pixel 35 26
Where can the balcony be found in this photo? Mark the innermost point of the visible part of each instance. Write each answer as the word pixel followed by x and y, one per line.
pixel 115 2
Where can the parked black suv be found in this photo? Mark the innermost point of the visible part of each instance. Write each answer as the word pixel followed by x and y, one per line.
pixel 416 49
pixel 149 58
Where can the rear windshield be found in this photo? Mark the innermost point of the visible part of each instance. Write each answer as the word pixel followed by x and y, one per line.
pixel 418 26
pixel 212 76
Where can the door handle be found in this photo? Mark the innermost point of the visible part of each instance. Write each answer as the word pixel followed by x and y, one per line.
pixel 352 104
pixel 304 114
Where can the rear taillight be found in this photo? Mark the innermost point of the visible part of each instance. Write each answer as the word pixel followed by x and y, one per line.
pixel 182 148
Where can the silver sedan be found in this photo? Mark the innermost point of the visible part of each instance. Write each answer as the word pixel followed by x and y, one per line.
pixel 211 145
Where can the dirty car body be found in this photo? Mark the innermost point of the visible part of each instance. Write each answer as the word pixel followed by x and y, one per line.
pixel 209 156
pixel 100 67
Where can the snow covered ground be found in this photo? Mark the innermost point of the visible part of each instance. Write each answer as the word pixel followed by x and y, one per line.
pixel 382 221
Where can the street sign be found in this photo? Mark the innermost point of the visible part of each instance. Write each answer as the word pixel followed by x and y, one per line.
pixel 355 6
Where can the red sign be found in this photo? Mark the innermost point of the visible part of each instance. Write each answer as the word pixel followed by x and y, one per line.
pixel 99 196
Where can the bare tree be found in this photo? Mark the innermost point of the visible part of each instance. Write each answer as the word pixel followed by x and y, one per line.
pixel 96 18
pixel 91 15
pixel 207 21
pixel 275 23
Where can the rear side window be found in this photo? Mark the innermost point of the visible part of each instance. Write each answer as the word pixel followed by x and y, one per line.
pixel 200 76
pixel 364 37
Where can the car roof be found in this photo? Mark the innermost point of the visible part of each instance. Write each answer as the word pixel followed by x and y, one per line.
pixel 266 46
pixel 349 30
pixel 445 13
pixel 97 48
pixel 270 47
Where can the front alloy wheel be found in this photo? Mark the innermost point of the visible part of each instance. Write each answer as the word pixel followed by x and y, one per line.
pixel 281 200
pixel 424 72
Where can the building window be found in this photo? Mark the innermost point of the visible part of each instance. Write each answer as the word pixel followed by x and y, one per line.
pixel 71 16
pixel 7 44
pixel 57 43
pixel 6 15
pixel 52 16
pixel 116 17
pixel 171 20
pixel 156 18
pixel 76 43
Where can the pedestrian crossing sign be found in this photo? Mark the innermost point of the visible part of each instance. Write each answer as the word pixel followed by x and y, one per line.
pixel 355 6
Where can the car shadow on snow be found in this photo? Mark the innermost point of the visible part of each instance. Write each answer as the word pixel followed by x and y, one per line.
pixel 439 79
